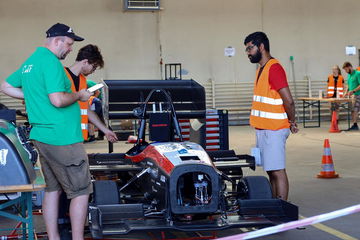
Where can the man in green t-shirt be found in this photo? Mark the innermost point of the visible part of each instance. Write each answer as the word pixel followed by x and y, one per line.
pixel 54 114
pixel 353 89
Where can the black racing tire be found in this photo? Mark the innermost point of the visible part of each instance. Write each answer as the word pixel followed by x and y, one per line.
pixel 255 187
pixel 105 192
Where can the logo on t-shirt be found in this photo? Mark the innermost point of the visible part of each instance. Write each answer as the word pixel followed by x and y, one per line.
pixel 27 68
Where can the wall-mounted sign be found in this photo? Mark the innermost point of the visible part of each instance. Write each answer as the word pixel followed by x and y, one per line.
pixel 350 50
pixel 229 52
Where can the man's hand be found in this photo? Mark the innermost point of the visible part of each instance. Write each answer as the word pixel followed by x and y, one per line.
pixel 110 136
pixel 350 93
pixel 293 127
pixel 84 95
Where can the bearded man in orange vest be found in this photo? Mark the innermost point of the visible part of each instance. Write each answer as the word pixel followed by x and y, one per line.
pixel 88 59
pixel 272 111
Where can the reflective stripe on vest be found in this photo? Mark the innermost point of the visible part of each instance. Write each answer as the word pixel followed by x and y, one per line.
pixel 83 111
pixel 84 126
pixel 268 115
pixel 83 105
pixel 267 110
pixel 267 100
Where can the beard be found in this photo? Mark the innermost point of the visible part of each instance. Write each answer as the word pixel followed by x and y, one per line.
pixel 255 58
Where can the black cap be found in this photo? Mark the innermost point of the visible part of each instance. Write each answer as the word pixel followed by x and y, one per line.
pixel 60 29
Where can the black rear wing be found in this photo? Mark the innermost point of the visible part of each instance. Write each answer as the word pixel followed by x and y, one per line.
pixel 122 96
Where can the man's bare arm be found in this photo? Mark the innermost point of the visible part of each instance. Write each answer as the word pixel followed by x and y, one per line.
pixel 289 106
pixel 11 91
pixel 63 99
pixel 94 119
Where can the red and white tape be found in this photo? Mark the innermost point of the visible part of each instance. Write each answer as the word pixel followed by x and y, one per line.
pixel 295 224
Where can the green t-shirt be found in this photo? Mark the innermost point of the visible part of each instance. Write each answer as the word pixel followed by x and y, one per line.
pixel 41 74
pixel 354 81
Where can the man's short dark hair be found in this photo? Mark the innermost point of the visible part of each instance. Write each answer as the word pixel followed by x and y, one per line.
pixel 347 64
pixel 258 38
pixel 92 54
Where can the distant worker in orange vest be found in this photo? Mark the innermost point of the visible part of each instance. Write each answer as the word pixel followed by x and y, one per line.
pixel 335 87
pixel 88 59
pixel 272 111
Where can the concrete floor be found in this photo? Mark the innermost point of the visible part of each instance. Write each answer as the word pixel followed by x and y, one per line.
pixel 313 195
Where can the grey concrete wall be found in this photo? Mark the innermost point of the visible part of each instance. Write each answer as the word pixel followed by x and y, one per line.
pixel 193 33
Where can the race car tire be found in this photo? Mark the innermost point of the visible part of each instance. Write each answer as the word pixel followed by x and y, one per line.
pixel 105 192
pixel 257 187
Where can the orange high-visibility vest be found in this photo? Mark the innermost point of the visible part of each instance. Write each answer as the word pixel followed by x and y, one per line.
pixel 267 111
pixel 91 99
pixel 339 86
pixel 83 105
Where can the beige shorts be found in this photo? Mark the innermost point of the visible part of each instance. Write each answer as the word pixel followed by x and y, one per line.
pixel 65 168
pixel 272 148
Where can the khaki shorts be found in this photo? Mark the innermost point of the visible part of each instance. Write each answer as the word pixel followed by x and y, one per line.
pixel 65 168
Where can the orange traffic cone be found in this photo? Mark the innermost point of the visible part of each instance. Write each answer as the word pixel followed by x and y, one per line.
pixel 334 125
pixel 327 165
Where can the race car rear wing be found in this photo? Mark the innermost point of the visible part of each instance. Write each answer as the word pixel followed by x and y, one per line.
pixel 122 96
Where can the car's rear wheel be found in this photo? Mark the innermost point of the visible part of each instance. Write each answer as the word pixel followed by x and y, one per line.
pixel 254 187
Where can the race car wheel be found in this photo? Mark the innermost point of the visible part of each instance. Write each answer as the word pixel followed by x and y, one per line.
pixel 105 192
pixel 254 187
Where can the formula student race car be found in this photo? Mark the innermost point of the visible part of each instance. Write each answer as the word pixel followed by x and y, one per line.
pixel 175 185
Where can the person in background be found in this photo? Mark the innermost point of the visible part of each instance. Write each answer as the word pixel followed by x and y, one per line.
pixel 335 88
pixel 272 111
pixel 54 114
pixel 97 93
pixel 353 82
pixel 96 106
pixel 88 59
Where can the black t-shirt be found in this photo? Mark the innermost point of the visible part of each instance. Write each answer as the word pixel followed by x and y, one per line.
pixel 75 78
